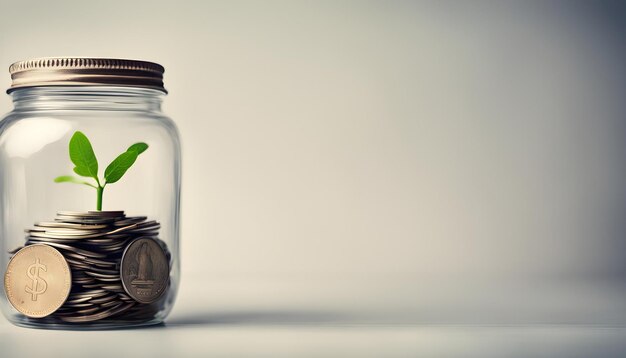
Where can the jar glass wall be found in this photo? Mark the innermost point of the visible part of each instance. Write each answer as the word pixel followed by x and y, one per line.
pixel 34 150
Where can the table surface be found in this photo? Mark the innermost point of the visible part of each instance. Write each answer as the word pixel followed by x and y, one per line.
pixel 232 319
pixel 264 337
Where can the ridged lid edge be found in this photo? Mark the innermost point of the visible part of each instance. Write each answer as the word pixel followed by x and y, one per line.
pixel 72 71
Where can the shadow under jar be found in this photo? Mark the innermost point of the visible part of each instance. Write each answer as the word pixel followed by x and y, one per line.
pixel 89 195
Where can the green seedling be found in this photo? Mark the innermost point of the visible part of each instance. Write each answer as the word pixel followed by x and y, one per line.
pixel 86 165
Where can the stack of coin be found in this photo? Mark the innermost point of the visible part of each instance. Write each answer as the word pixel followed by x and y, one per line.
pixel 119 267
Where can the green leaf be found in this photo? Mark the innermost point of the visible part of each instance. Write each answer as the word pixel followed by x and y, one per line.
pixel 72 179
pixel 119 166
pixel 83 172
pixel 138 147
pixel 82 155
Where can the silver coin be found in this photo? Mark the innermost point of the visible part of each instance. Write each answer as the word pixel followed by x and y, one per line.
pixel 74 262
pixel 52 235
pixel 77 305
pixel 54 238
pixel 92 285
pixel 91 213
pixel 153 234
pixel 125 297
pixel 113 249
pixel 89 260
pixel 99 275
pixel 74 249
pixel 84 221
pixel 77 300
pixel 79 267
pixel 89 293
pixel 82 281
pixel 88 216
pixel 130 220
pixel 108 280
pixel 110 303
pixel 104 299
pixel 119 308
pixel 103 240
pixel 144 270
pixel 101 262
pixel 68 232
pixel 145 226
pixel 44 236
pixel 86 311
pixel 34 230
pixel 59 224
pixel 143 231
pixel 103 271
pixel 148 223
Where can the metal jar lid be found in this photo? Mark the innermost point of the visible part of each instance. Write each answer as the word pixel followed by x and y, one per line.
pixel 86 71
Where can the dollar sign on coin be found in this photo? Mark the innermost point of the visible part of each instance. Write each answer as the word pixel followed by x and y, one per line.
pixel 33 274
pixel 25 286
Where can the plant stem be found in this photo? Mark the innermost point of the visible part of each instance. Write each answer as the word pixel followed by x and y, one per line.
pixel 100 189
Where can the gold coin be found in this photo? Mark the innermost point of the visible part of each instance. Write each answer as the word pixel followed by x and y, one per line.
pixel 37 280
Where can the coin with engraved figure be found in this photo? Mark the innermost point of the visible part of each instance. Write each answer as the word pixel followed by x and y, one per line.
pixel 144 270
pixel 37 280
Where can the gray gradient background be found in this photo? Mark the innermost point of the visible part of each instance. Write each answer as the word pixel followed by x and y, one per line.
pixel 380 162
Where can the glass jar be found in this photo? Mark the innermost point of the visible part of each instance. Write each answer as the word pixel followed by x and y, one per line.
pixel 115 223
